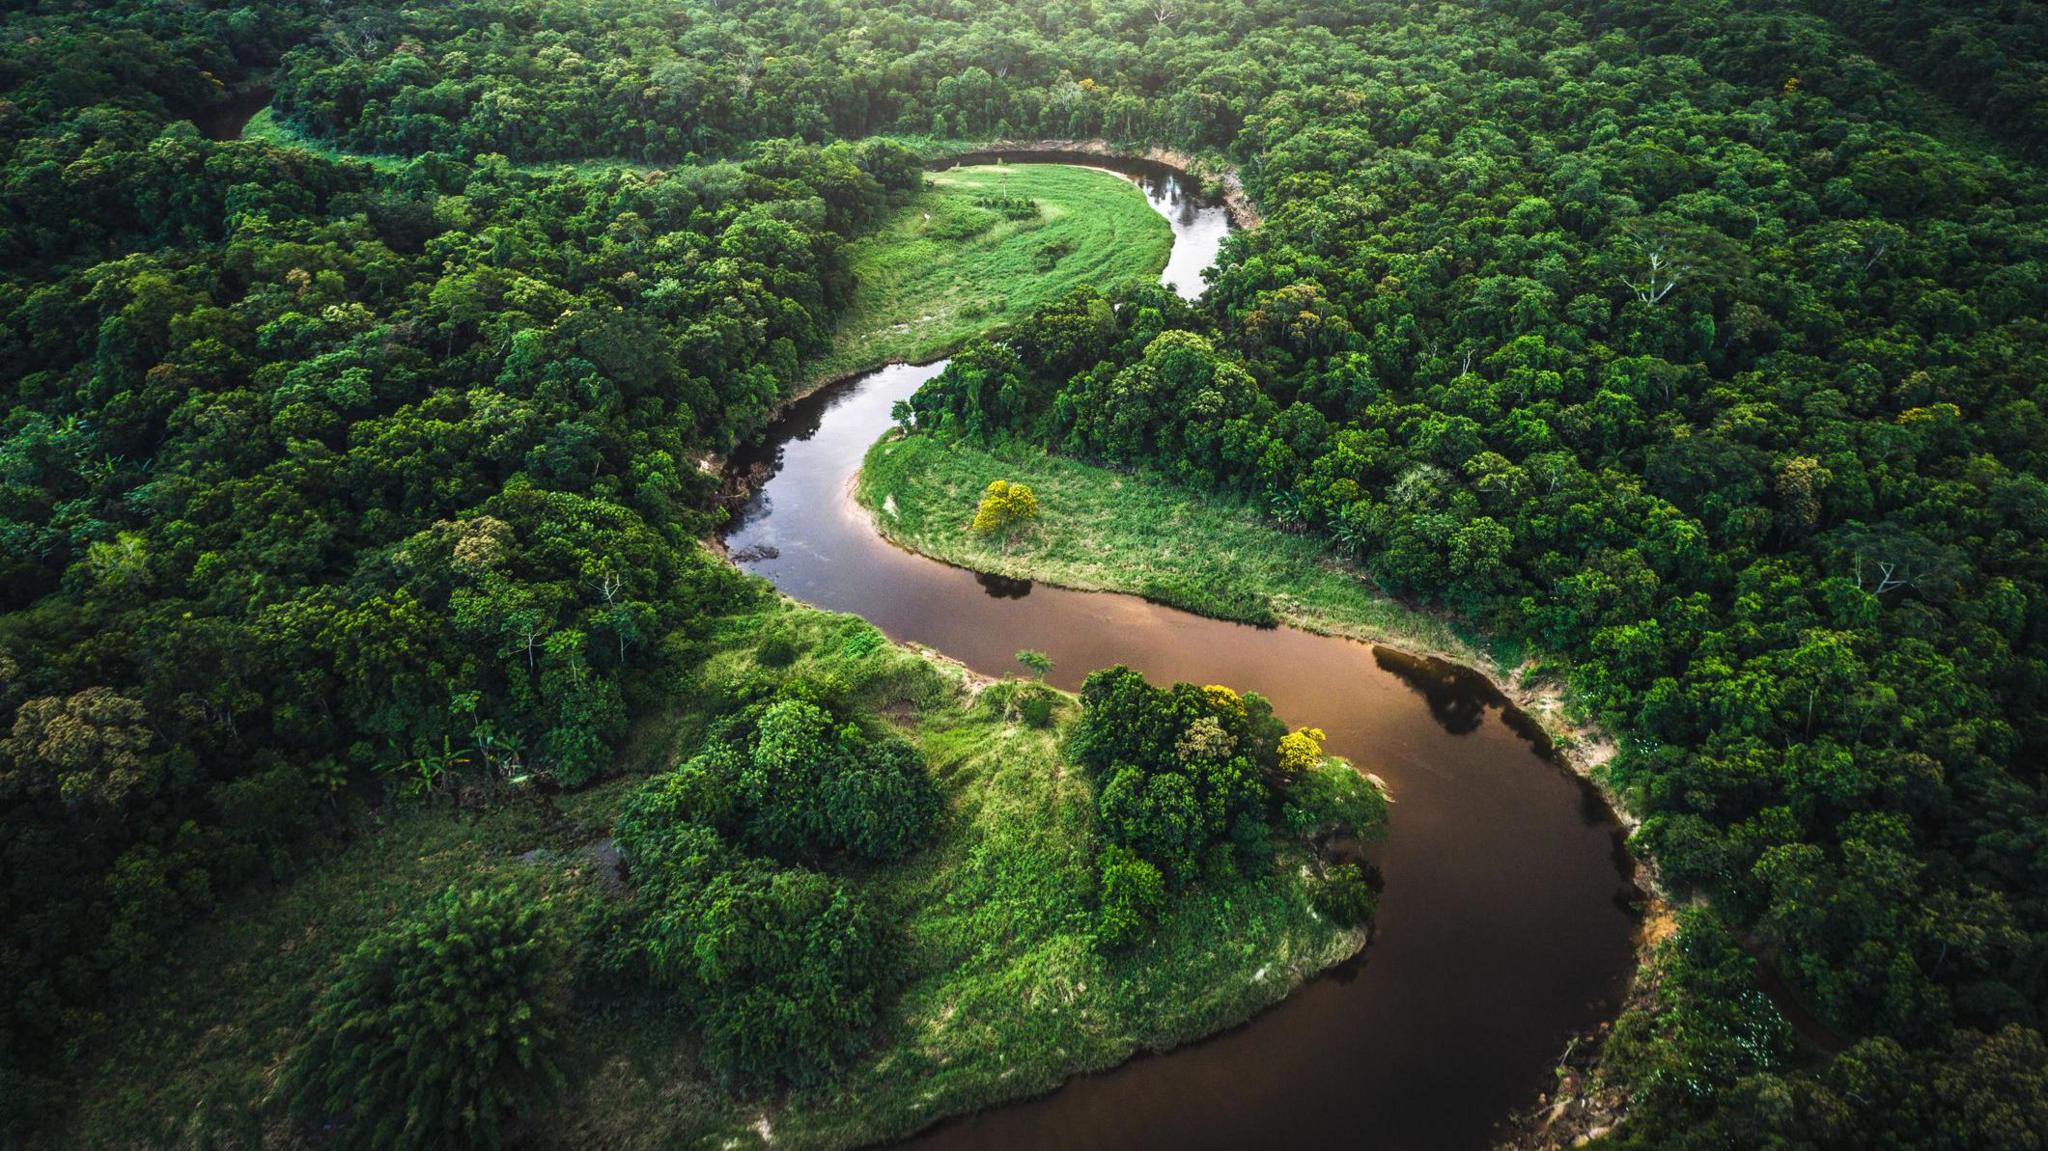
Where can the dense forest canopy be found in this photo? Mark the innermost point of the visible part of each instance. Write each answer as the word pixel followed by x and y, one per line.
pixel 1702 346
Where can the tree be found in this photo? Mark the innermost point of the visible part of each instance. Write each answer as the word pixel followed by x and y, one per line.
pixel 1036 661
pixel 1301 752
pixel 88 748
pixel 1005 509
pixel 432 1031
pixel 1344 895
pixel 1132 897
pixel 814 786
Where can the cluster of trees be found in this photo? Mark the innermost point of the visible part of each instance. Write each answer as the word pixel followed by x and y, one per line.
pixel 436 1029
pixel 1725 389
pixel 782 966
pixel 1190 782
pixel 1991 59
pixel 312 474
pixel 1680 337
pixel 553 79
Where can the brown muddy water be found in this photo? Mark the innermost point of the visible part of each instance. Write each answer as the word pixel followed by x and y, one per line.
pixel 1505 926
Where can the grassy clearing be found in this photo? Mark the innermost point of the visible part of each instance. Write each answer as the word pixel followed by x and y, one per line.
pixel 1005 995
pixel 1107 531
pixel 265 125
pixel 942 269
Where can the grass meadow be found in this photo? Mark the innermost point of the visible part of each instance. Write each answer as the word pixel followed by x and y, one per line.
pixel 1103 530
pixel 943 269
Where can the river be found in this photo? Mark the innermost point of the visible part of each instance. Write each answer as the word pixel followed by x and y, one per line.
pixel 1505 926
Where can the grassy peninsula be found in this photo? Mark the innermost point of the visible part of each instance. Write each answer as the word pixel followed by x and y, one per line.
pixel 1102 530
pixel 984 246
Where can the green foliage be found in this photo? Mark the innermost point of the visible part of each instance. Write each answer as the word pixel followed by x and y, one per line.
pixel 1682 339
pixel 1132 898
pixel 1005 509
pixel 940 270
pixel 1003 899
pixel 1345 895
pixel 776 651
pixel 1330 798
pixel 784 970
pixel 1036 706
pixel 1742 425
pixel 1187 780
pixel 311 472
pixel 1212 554
pixel 432 1031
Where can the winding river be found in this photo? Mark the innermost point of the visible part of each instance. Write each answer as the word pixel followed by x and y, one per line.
pixel 1505 926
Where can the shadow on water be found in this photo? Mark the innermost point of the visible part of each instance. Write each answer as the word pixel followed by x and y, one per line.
pixel 1002 587
pixel 1458 697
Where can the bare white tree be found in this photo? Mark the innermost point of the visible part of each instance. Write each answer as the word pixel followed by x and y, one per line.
pixel 1661 273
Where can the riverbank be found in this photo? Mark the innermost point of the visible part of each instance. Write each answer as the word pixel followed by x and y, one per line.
pixel 982 247
pixel 1213 178
pixel 1102 530
pixel 941 269
pixel 1105 531
pixel 1005 995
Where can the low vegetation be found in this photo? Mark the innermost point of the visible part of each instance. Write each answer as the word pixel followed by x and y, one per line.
pixel 870 892
pixel 1102 530
pixel 983 247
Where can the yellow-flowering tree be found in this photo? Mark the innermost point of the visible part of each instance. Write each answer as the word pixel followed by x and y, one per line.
pixel 1300 752
pixel 1005 509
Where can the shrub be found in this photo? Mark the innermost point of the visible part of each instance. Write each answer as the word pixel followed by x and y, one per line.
pixel 1333 799
pixel 813 787
pixel 776 651
pixel 784 969
pixel 1344 895
pixel 1036 704
pixel 1132 897
pixel 434 1029
pixel 789 967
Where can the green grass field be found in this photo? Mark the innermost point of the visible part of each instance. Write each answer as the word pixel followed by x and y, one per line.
pixel 1006 997
pixel 1107 531
pixel 942 269
pixel 265 125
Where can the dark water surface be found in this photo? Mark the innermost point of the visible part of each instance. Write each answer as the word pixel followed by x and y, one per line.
pixel 1504 927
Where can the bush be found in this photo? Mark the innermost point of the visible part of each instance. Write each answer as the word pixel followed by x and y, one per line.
pixel 814 787
pixel 784 968
pixel 789 967
pixel 1345 895
pixel 434 1029
pixel 1332 799
pixel 1133 897
pixel 1036 705
pixel 776 651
